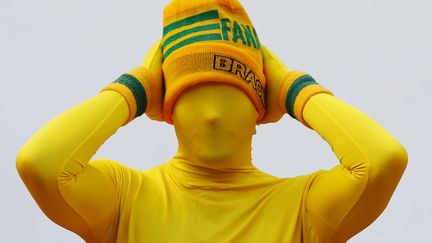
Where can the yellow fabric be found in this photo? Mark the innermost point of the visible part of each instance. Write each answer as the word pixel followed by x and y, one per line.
pixel 303 97
pixel 346 199
pixel 154 84
pixel 218 133
pixel 153 90
pixel 147 81
pixel 104 201
pixel 285 84
pixel 279 80
pixel 127 94
pixel 233 56
pixel 150 75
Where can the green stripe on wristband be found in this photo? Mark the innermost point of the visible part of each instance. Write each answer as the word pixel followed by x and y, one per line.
pixel 138 91
pixel 294 90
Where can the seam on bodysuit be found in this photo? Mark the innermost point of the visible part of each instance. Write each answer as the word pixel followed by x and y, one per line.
pixel 363 153
pixel 71 155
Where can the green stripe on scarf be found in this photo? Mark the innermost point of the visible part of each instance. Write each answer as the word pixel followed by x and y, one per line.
pixel 295 89
pixel 206 37
pixel 190 31
pixel 138 91
pixel 213 14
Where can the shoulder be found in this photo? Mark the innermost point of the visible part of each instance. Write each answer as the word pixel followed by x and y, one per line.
pixel 119 173
pixel 110 166
pixel 298 186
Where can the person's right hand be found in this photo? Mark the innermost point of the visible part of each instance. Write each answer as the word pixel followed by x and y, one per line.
pixel 155 93
pixel 143 86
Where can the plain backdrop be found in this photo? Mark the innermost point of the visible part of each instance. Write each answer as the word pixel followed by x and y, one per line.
pixel 373 54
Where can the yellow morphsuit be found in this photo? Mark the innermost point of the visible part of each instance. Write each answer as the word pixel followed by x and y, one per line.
pixel 210 191
pixel 212 79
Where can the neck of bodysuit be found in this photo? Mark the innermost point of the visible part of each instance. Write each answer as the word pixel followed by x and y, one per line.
pixel 213 170
pixel 213 157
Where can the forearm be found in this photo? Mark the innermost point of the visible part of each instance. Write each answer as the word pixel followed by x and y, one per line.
pixel 55 157
pixel 372 161
pixel 356 139
pixel 62 142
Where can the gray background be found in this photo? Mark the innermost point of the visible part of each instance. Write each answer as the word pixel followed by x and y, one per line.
pixel 374 54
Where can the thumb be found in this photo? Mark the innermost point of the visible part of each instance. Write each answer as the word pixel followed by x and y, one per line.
pixel 153 60
pixel 274 68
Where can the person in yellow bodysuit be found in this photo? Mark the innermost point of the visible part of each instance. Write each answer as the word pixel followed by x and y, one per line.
pixel 214 81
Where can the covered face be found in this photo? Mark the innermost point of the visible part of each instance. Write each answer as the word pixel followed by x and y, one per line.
pixel 211 42
pixel 214 121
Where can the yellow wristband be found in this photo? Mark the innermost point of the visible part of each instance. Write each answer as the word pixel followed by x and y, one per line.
pixel 133 91
pixel 297 93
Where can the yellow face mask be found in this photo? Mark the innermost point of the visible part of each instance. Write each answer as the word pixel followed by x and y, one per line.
pixel 214 124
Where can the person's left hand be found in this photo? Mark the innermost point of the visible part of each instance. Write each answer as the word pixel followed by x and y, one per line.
pixel 287 91
pixel 275 72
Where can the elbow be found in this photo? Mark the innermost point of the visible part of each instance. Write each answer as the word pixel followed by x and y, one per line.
pixel 394 160
pixel 25 162
pixel 28 165
pixel 399 159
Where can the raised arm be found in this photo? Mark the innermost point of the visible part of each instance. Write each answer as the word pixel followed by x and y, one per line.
pixel 346 199
pixel 54 165
pixel 76 193
pixel 343 201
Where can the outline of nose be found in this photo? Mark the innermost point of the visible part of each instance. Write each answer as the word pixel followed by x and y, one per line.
pixel 213 118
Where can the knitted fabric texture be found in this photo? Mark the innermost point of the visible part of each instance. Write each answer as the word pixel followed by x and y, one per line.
pixel 133 86
pixel 210 41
